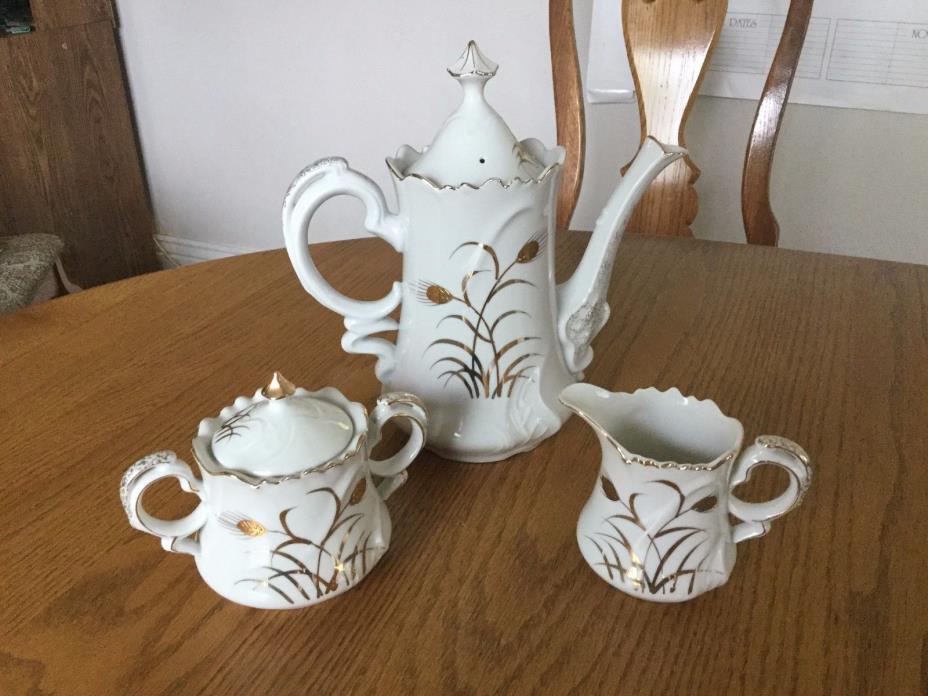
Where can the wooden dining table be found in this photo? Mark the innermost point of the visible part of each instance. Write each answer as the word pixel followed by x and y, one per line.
pixel 484 589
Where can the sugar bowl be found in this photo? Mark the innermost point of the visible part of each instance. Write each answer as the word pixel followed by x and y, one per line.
pixel 289 513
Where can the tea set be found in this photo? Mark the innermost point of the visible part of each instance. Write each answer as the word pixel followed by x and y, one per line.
pixel 488 362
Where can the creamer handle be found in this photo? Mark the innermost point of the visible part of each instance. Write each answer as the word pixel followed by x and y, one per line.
pixel 768 449
pixel 315 185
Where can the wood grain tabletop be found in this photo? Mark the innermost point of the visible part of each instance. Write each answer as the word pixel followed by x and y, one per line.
pixel 484 589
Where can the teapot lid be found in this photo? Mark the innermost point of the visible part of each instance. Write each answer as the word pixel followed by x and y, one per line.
pixel 282 431
pixel 475 145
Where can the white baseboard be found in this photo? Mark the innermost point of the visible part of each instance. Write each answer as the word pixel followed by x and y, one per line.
pixel 179 251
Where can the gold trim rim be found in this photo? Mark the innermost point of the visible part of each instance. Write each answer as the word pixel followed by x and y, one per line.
pixel 449 187
pixel 629 457
pixel 557 150
pixel 784 444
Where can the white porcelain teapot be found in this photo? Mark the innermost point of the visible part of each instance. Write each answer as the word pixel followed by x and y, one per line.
pixel 486 337
pixel 289 514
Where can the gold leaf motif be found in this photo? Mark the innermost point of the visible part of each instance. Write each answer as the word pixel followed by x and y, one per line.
pixel 706 504
pixel 609 489
pixel 357 494
pixel 242 525
pixel 438 295
pixel 251 528
pixel 529 251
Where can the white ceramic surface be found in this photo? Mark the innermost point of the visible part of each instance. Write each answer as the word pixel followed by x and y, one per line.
pixel 486 337
pixel 657 523
pixel 268 436
pixel 474 144
pixel 285 540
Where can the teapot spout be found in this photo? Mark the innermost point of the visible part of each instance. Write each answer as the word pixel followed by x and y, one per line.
pixel 582 306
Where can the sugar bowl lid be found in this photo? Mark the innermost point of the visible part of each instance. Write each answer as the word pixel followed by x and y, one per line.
pixel 282 432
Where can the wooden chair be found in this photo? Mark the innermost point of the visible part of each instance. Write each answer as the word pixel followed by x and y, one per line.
pixel 670 43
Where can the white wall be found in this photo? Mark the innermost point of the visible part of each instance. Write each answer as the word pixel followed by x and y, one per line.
pixel 233 97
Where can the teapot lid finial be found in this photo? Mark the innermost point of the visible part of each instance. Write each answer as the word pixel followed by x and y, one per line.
pixel 474 145
pixel 473 63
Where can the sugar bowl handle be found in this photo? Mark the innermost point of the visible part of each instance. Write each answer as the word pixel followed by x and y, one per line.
pixel 393 469
pixel 175 534
pixel 768 449
pixel 315 185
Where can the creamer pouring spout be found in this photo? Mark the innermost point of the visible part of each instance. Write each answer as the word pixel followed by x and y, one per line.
pixel 485 336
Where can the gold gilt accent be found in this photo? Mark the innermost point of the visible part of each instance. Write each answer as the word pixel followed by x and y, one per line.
pixel 783 444
pixel 480 364
pixel 633 552
pixel 206 464
pixel 528 252
pixel 438 295
pixel 400 398
pixel 397 166
pixel 609 489
pixel 357 495
pixel 234 426
pixel 707 504
pixel 201 454
pixel 242 525
pixel 251 528
pixel 629 458
pixel 278 387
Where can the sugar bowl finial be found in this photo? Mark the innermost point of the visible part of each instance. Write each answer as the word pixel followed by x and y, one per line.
pixel 278 387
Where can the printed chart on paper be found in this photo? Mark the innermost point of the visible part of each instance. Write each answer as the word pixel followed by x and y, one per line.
pixel 858 54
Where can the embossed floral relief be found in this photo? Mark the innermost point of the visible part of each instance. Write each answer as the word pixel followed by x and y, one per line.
pixel 484 366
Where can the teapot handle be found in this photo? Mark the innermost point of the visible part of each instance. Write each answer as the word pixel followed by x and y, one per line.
pixel 175 534
pixel 315 185
pixel 393 469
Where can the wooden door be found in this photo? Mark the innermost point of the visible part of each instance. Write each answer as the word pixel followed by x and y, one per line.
pixel 69 164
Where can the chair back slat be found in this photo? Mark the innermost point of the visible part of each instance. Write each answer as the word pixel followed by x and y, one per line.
pixel 670 45
pixel 568 106
pixel 760 224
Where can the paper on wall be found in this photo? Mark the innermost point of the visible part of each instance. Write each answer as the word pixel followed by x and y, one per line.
pixel 857 54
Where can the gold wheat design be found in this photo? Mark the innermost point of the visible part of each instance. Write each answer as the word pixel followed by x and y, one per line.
pixel 291 572
pixel 482 379
pixel 670 570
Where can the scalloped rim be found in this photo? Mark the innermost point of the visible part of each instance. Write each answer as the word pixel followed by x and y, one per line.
pixel 202 443
pixel 554 158
pixel 630 457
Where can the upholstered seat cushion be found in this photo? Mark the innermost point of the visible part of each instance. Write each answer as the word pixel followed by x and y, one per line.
pixel 25 261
